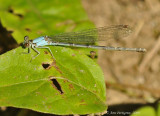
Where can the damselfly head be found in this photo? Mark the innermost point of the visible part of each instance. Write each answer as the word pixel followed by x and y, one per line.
pixel 26 42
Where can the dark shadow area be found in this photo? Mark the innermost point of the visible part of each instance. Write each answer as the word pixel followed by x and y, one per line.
pixel 113 110
pixel 127 109
pixel 7 42
pixel 10 111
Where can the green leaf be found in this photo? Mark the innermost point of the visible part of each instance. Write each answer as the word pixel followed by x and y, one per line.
pixel 42 17
pixel 145 111
pixel 158 109
pixel 69 84
pixel 27 84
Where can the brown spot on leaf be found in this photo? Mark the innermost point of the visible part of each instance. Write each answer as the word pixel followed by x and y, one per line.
pixel 56 67
pixel 49 106
pixel 82 102
pixel 40 94
pixel 73 54
pixel 10 10
pixel 45 52
pixel 95 91
pixel 36 105
pixel 39 32
pixel 65 81
pixel 27 29
pixel 71 86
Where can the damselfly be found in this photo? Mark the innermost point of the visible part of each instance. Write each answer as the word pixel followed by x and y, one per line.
pixel 82 39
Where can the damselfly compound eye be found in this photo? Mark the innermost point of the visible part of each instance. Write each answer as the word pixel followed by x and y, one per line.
pixel 26 38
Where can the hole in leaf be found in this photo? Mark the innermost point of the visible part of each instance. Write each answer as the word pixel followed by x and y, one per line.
pixel 46 65
pixel 57 85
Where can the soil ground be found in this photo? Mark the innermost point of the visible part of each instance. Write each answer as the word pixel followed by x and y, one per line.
pixel 131 77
